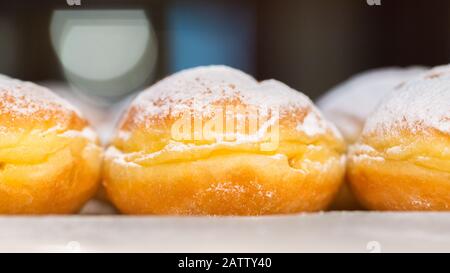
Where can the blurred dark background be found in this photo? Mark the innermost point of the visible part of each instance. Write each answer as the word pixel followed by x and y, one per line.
pixel 309 44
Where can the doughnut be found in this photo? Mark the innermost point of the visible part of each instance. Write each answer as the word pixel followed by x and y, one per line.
pixel 402 159
pixel 50 160
pixel 350 103
pixel 214 141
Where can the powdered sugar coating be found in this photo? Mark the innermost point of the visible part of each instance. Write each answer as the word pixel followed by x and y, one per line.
pixel 18 98
pixel 350 103
pixel 199 89
pixel 418 105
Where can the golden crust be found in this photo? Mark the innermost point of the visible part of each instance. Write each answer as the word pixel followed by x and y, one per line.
pixel 231 184
pixel 60 184
pixel 399 185
pixel 402 171
pixel 49 157
pixel 147 170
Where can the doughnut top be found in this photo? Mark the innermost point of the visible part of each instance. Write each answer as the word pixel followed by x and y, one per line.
pixel 24 105
pixel 201 89
pixel 420 106
pixel 350 103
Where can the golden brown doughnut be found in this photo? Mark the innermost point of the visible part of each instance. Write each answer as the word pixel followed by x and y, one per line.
pixel 350 103
pixel 49 157
pixel 151 169
pixel 402 160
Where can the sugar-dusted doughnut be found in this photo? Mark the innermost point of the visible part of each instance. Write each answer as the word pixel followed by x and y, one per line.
pixel 49 158
pixel 402 160
pixel 214 141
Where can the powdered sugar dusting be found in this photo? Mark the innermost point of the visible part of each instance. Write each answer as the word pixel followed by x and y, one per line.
pixel 194 88
pixel 350 103
pixel 311 125
pixel 419 104
pixel 199 89
pixel 26 99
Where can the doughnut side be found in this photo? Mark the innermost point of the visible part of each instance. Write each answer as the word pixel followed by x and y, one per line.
pixel 234 183
pixel 404 173
pixel 395 185
pixel 55 173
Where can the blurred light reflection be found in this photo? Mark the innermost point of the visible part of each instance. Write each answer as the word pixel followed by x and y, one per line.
pixel 104 53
